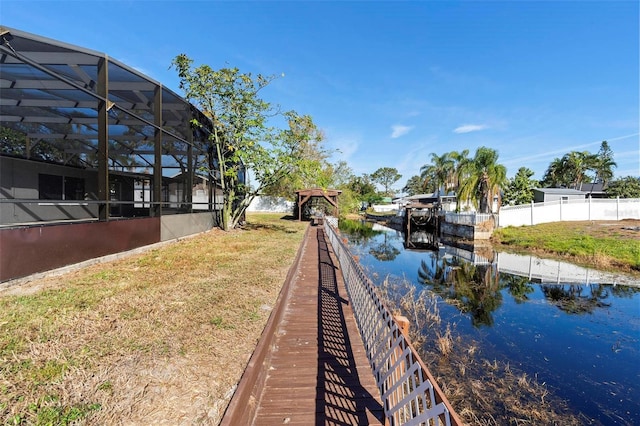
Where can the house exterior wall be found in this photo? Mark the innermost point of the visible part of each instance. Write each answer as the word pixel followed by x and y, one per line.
pixel 19 180
pixel 543 197
pixel 28 250
pixel 37 235
pixel 181 225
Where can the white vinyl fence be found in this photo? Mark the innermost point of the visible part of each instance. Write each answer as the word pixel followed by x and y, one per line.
pixel 570 210
pixel 271 205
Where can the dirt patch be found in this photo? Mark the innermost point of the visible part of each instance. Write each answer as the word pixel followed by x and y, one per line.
pixel 625 229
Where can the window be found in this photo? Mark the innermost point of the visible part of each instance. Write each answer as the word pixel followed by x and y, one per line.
pixel 52 187
pixel 73 188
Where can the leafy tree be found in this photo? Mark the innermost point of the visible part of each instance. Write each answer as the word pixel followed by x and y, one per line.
pixel 312 170
pixel 364 188
pixel 626 187
pixel 486 178
pixel 342 174
pixel 349 202
pixel 362 185
pixel 414 186
pixel 429 179
pixel 386 176
pixel 339 176
pixel 519 190
pixel 241 138
pixel 14 142
pixel 576 166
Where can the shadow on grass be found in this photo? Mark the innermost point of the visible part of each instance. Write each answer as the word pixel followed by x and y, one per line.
pixel 248 226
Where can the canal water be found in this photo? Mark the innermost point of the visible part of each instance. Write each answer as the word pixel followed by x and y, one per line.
pixel 576 331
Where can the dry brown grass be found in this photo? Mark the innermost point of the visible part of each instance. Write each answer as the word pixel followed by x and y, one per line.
pixel 155 338
pixel 482 391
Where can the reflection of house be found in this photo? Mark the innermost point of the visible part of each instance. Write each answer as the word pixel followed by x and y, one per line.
pixel 542 195
pixel 87 150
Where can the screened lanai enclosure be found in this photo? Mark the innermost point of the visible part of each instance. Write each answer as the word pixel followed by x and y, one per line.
pixel 95 157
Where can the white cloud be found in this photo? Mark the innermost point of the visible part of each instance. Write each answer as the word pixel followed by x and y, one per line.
pixel 400 130
pixel 467 128
pixel 345 145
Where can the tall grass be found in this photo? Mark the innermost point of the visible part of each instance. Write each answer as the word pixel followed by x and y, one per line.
pixel 482 391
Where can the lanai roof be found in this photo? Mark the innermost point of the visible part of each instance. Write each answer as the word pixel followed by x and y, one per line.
pixel 52 92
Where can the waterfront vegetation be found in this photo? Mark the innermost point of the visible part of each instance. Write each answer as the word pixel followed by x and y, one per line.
pixel 510 349
pixel 611 245
pixel 483 391
pixel 161 336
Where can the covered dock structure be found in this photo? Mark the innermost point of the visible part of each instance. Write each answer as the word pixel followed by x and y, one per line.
pixel 315 202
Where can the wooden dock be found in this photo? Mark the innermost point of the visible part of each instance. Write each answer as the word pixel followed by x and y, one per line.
pixel 310 366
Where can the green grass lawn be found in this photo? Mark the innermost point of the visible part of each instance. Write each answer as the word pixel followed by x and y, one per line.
pixel 610 245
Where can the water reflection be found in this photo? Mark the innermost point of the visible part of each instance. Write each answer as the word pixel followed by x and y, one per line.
pixel 574 328
pixel 384 251
pixel 452 255
pixel 573 299
pixel 555 271
pixel 519 287
pixel 473 289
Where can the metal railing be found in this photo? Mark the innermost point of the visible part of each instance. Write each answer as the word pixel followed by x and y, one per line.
pixel 472 218
pixel 409 393
pixel 28 211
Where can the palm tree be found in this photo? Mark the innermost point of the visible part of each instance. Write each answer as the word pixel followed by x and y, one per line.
pixel 461 163
pixel 554 175
pixel 439 171
pixel 576 165
pixel 485 179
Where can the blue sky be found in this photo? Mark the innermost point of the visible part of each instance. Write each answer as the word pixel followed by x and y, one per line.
pixel 391 82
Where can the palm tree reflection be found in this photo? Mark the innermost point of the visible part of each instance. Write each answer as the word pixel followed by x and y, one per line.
pixel 473 289
pixel 519 287
pixel 571 298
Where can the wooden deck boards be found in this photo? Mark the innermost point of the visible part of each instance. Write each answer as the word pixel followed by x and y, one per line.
pixel 317 370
